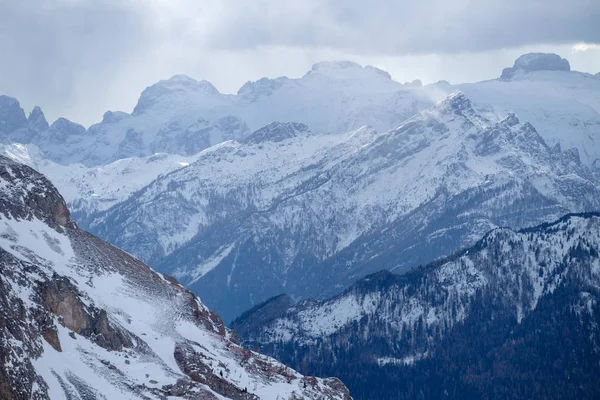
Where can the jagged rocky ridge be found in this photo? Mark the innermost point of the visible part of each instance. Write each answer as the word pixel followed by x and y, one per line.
pixel 308 214
pixel 80 319
pixel 183 116
pixel 515 316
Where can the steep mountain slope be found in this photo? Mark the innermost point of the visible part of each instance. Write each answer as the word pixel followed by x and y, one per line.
pixel 80 319
pixel 515 316
pixel 291 211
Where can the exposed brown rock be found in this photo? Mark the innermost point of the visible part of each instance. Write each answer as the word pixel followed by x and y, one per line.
pixel 61 298
pixel 51 336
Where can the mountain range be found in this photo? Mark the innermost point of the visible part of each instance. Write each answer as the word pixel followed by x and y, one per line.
pixel 308 207
pixel 289 211
pixel 183 116
pixel 515 316
pixel 308 212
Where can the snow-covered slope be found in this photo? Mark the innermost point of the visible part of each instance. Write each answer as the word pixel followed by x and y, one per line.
pixel 563 105
pixel 474 303
pixel 305 213
pixel 81 319
pixel 88 190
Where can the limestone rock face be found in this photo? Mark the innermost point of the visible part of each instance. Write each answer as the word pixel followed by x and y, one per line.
pixel 12 116
pixel 37 120
pixel 537 62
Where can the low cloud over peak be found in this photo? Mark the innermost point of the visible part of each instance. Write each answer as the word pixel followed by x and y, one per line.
pixel 80 57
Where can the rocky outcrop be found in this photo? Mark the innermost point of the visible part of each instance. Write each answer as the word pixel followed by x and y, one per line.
pixel 276 132
pixel 536 62
pixel 62 299
pixel 37 120
pixel 12 116
pixel 38 197
pixel 193 364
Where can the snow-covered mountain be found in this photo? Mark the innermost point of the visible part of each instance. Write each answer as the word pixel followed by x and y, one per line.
pixel 288 210
pixel 324 193
pixel 81 319
pixel 563 105
pixel 520 306
pixel 184 116
pixel 169 127
pixel 94 189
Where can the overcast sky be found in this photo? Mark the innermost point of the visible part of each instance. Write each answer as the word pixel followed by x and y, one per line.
pixel 79 58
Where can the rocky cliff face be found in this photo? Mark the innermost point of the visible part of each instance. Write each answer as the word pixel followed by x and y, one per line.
pixel 80 319
pixel 12 117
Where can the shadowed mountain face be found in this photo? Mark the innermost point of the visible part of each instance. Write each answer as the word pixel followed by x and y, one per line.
pixel 290 211
pixel 81 319
pixel 515 316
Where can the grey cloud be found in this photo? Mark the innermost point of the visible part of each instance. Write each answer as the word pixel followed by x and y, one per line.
pixel 48 47
pixel 408 27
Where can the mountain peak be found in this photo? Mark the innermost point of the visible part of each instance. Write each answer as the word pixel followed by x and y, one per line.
pixel 25 192
pixel 180 84
pixel 263 86
pixel 37 119
pixel 184 82
pixel 455 102
pixel 65 126
pixel 345 69
pixel 276 132
pixel 511 120
pixel 12 116
pixel 110 117
pixel 335 65
pixel 537 62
